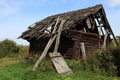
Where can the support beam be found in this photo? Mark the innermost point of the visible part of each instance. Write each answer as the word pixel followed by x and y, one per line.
pixel 47 46
pixel 83 50
pixel 108 25
pixel 105 40
pixel 58 36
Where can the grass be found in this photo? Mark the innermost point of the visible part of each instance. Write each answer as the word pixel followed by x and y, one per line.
pixel 6 61
pixel 22 71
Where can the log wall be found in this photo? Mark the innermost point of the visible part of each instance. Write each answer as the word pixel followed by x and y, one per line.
pixel 91 41
pixel 37 46
pixel 70 44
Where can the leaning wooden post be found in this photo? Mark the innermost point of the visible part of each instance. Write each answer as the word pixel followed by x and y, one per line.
pixel 105 39
pixel 47 46
pixel 58 36
pixel 83 50
pixel 57 59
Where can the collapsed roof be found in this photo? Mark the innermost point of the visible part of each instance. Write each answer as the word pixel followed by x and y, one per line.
pixel 72 18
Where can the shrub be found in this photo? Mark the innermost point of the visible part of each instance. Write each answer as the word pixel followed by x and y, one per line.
pixel 116 54
pixel 100 63
pixel 8 48
pixel 23 51
pixel 106 63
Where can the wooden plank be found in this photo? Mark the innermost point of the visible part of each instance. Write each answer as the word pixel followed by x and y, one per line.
pixel 83 50
pixel 88 23
pixel 93 23
pixel 55 54
pixel 99 43
pixel 58 36
pixel 105 39
pixel 55 27
pixel 109 27
pixel 59 63
pixel 57 58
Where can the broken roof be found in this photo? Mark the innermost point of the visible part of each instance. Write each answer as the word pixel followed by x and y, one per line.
pixel 72 18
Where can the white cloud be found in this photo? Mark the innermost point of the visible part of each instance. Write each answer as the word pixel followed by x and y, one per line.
pixel 9 7
pixel 114 3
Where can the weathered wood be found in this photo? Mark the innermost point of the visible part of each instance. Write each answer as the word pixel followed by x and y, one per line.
pixel 105 39
pixel 57 58
pixel 47 47
pixel 84 38
pixel 77 50
pixel 99 40
pixel 55 27
pixel 83 33
pixel 75 21
pixel 44 52
pixel 72 18
pixel 58 36
pixel 93 24
pixel 83 50
pixel 88 23
pixel 108 25
pixel 59 63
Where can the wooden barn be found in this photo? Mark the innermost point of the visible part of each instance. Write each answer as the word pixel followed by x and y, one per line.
pixel 84 32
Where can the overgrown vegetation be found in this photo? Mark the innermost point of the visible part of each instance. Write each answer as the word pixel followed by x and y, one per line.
pixel 116 54
pixel 102 66
pixel 22 71
pixel 101 63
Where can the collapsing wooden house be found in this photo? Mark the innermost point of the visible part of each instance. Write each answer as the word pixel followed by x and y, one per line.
pixel 84 32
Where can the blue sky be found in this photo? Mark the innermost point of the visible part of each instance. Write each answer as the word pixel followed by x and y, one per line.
pixel 17 15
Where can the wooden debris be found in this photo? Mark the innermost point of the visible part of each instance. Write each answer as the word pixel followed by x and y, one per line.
pixel 57 59
pixel 59 63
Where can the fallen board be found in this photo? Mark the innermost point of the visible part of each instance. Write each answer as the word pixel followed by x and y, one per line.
pixel 59 63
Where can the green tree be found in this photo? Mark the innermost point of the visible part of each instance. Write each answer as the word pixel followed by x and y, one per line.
pixel 8 47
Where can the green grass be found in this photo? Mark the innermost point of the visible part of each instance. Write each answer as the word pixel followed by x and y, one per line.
pixel 6 61
pixel 22 71
pixel 12 72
